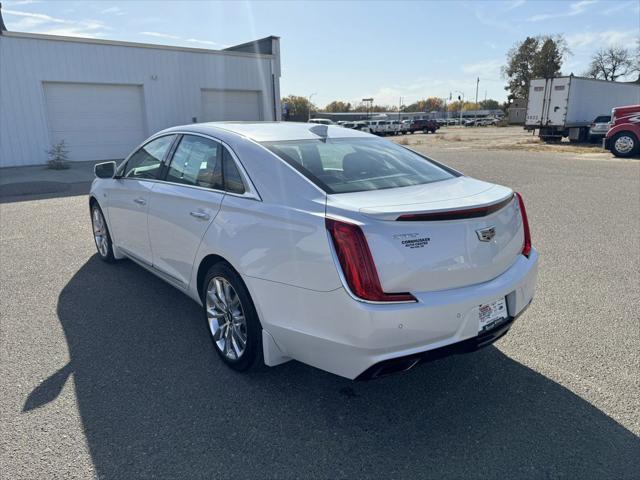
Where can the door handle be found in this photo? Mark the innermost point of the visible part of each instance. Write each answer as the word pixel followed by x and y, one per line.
pixel 200 215
pixel 140 201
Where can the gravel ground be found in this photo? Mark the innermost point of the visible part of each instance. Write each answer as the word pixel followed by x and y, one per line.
pixel 499 138
pixel 107 371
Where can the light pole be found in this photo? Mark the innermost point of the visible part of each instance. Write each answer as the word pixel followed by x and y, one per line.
pixel 309 106
pixel 461 99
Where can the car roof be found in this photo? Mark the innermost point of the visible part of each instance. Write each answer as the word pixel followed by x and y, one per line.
pixel 269 131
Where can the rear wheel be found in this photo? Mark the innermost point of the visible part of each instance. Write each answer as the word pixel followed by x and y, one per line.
pixel 624 144
pixel 233 323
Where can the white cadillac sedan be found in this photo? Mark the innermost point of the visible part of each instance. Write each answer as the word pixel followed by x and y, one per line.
pixel 321 244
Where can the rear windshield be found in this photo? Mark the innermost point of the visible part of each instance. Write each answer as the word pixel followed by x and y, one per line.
pixel 357 164
pixel 602 119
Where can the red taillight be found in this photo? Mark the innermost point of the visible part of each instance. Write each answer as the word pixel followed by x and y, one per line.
pixel 357 263
pixel 526 249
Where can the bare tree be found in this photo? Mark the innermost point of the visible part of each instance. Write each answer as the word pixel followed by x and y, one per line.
pixel 611 63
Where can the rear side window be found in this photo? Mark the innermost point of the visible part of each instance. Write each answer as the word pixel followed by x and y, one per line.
pixel 602 119
pixel 146 162
pixel 357 165
pixel 232 179
pixel 196 162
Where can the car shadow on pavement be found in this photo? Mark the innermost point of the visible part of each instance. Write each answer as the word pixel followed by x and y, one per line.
pixel 155 401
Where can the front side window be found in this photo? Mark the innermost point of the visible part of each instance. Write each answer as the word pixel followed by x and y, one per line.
pixel 146 162
pixel 357 165
pixel 196 162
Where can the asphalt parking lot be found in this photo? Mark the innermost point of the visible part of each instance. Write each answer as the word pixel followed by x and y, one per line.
pixel 108 372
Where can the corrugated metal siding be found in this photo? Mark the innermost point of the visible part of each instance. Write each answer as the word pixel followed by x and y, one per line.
pixel 171 99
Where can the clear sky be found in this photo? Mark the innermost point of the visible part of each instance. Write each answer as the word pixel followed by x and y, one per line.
pixel 352 50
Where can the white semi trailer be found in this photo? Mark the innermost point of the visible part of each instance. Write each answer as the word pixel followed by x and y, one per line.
pixel 566 106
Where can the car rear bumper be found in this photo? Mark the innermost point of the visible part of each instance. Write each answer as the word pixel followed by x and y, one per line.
pixel 336 333
pixel 469 345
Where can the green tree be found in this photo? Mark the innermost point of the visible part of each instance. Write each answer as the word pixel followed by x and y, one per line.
pixel 548 60
pixel 539 56
pixel 338 106
pixel 298 108
pixel 490 104
pixel 415 106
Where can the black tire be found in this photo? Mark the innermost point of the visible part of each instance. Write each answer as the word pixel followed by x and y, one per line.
pixel 252 356
pixel 628 138
pixel 105 251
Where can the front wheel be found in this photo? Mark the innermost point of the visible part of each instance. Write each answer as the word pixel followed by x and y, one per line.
pixel 624 144
pixel 232 319
pixel 101 235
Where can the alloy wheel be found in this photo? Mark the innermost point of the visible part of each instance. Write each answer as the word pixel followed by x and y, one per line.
pixel 100 232
pixel 226 319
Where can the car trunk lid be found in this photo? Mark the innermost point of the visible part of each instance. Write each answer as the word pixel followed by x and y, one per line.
pixel 436 236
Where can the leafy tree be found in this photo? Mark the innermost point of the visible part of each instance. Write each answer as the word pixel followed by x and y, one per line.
pixel 455 106
pixel 419 106
pixel 548 60
pixel 539 56
pixel 298 108
pixel 519 67
pixel 426 105
pixel 338 106
pixel 434 103
pixel 490 104
pixel 612 63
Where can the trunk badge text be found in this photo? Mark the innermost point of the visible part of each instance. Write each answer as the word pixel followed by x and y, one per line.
pixel 486 234
pixel 412 240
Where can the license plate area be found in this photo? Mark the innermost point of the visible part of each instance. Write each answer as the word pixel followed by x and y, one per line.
pixel 492 314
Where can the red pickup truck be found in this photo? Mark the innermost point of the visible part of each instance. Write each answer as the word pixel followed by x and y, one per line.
pixel 623 138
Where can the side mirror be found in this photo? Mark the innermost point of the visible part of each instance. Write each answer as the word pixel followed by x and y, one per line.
pixel 105 170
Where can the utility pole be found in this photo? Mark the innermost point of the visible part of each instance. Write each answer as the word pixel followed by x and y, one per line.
pixel 477 83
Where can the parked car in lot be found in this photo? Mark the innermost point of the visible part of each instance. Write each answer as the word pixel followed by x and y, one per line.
pixel 426 126
pixel 394 127
pixel 379 127
pixel 599 127
pixel 623 138
pixel 318 243
pixel 362 126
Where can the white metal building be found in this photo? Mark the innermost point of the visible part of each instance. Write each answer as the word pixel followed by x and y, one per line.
pixel 104 97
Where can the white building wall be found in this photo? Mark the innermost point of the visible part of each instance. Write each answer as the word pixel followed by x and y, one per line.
pixel 171 78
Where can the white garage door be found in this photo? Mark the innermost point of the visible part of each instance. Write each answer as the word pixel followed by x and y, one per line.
pixel 220 105
pixel 97 122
